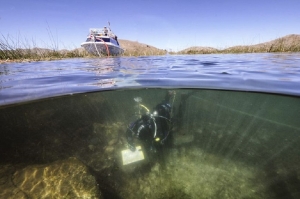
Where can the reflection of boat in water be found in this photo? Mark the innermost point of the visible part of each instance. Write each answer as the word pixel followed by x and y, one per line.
pixel 102 42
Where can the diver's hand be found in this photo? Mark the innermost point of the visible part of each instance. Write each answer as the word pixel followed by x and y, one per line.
pixel 171 93
pixel 131 147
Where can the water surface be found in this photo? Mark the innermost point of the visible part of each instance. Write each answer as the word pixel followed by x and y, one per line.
pixel 274 73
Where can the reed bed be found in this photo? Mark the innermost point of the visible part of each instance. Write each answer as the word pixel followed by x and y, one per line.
pixel 280 46
pixel 136 53
pixel 15 50
pixel 271 48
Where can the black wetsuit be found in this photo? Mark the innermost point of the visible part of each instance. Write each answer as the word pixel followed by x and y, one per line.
pixel 152 129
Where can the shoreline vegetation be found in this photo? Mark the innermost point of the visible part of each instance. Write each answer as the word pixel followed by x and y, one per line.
pixel 14 52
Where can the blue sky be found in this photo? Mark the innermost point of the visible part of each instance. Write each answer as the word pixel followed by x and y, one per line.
pixel 166 24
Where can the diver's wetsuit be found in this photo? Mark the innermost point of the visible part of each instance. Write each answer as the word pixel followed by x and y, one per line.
pixel 142 129
pixel 153 128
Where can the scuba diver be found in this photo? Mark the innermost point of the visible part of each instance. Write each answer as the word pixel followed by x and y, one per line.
pixel 153 129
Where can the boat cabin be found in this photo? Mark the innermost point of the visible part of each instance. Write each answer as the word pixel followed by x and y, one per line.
pixel 102 35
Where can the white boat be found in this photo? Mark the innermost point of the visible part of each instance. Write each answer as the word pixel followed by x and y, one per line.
pixel 102 42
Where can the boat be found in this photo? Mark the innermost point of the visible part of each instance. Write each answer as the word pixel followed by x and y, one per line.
pixel 101 42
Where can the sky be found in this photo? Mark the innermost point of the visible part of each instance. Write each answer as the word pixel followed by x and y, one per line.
pixel 167 24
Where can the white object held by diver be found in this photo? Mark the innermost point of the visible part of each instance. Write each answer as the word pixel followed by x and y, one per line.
pixel 138 99
pixel 129 156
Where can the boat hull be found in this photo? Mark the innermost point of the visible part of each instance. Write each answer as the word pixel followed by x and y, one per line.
pixel 101 48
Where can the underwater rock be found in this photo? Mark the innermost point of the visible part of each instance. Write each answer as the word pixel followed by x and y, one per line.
pixel 8 189
pixel 112 142
pixel 106 152
pixel 189 172
pixel 91 147
pixel 180 139
pixel 61 179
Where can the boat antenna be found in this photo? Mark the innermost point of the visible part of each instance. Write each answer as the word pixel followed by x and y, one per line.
pixel 109 25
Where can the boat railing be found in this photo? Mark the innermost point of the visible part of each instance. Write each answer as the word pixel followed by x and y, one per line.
pixel 101 32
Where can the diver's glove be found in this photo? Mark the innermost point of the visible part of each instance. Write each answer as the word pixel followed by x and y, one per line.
pixel 131 147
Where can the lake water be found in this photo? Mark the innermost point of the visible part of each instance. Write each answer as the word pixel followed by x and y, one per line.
pixel 232 128
pixel 274 73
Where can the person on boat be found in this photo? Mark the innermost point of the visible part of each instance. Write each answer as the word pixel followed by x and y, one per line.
pixel 105 30
pixel 153 129
pixel 116 38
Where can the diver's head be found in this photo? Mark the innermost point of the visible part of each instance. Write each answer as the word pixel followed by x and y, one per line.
pixel 163 109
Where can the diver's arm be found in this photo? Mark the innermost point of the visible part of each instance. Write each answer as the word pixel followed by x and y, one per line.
pixel 168 95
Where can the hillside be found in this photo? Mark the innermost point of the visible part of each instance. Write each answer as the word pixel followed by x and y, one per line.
pixel 198 50
pixel 134 48
pixel 289 43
